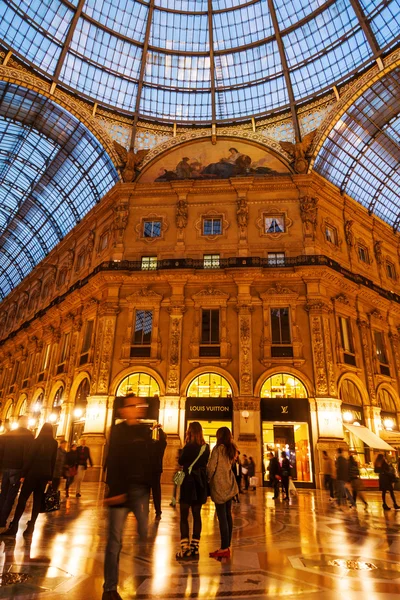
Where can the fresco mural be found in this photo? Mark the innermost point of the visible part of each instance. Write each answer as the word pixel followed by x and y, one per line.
pixel 205 161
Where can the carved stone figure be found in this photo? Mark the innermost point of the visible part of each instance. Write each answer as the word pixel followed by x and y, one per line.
pixel 242 213
pixel 348 233
pixel 130 161
pixel 181 217
pixel 121 215
pixel 299 152
pixel 70 258
pixel 378 252
pixel 308 213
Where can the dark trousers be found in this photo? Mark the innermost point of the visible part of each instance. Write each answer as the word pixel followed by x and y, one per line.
pixel 275 485
pixel 68 482
pixel 328 481
pixel 196 512
pixel 246 481
pixel 285 486
pixel 224 514
pixel 55 484
pixel 156 492
pixel 9 489
pixel 391 492
pixel 30 486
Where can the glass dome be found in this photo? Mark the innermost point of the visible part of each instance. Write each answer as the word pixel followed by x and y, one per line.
pixel 192 61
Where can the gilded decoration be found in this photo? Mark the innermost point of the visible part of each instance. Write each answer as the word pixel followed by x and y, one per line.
pixel 245 350
pixel 120 221
pixel 129 162
pixel 106 354
pixel 329 356
pixel 342 298
pixel 308 214
pixel 321 382
pixel 242 214
pixel 175 335
pixel 299 152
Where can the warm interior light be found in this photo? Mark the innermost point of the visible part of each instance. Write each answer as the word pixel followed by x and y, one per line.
pixel 78 412
pixel 245 415
pixel 14 425
pixel 37 407
pixel 53 418
pixel 31 422
pixel 347 416
pixel 388 424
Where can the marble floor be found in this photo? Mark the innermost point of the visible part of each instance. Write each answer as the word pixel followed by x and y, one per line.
pixel 307 549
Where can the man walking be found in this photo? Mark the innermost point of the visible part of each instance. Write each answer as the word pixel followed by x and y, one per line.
pixel 130 471
pixel 274 471
pixel 342 477
pixel 83 457
pixel 14 450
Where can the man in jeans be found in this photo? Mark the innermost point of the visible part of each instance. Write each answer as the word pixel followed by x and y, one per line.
pixel 14 449
pixel 83 457
pixel 130 470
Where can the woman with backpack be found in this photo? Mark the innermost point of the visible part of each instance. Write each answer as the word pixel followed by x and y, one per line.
pixel 223 487
pixel 193 493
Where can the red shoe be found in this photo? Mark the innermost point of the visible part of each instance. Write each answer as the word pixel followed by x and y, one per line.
pixel 221 553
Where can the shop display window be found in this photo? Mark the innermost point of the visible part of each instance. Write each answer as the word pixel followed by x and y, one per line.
pixel 140 384
pixel 209 385
pixel 294 439
pixel 283 385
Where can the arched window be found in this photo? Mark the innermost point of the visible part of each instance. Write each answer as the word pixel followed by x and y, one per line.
pixel 23 408
pixel 283 385
pixel 83 392
pixel 58 398
pixel 349 393
pixel 141 384
pixel 10 411
pixel 37 406
pixel 386 401
pixel 209 385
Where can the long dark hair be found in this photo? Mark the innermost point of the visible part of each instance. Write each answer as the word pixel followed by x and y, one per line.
pixel 194 434
pixel 380 459
pixel 224 437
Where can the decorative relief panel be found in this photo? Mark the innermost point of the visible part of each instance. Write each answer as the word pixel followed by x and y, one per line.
pixel 174 351
pixel 308 213
pixel 321 381
pixel 366 346
pixel 245 351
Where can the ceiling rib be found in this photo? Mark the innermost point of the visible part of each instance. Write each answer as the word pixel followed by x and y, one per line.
pixel 68 39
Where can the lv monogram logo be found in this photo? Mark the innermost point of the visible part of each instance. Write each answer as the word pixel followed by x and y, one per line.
pixel 285 410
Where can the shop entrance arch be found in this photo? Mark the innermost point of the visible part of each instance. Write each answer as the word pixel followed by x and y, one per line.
pixel 209 401
pixel 144 386
pixel 79 411
pixel 286 425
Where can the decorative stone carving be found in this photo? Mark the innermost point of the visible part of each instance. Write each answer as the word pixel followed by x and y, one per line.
pixel 348 233
pixel 321 382
pixel 279 289
pixel 120 221
pixel 90 241
pixel 106 354
pixel 242 213
pixel 130 161
pixel 174 354
pixel 70 258
pixel 342 298
pixel 308 213
pixel 245 351
pixel 181 217
pixel 210 292
pixel 299 152
pixel 378 252
pixel 376 314
pixel 366 346
pixel 329 356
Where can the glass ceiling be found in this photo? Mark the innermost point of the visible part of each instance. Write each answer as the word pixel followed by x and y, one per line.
pixel 361 155
pixel 199 60
pixel 52 172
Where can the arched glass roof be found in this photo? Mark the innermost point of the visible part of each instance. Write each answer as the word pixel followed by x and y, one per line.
pixel 199 60
pixel 52 172
pixel 361 155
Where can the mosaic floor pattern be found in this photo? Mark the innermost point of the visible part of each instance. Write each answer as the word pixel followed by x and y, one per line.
pixel 307 549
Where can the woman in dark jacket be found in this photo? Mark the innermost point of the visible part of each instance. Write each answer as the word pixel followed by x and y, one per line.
pixel 37 472
pixel 193 489
pixel 386 479
pixel 285 474
pixel 71 467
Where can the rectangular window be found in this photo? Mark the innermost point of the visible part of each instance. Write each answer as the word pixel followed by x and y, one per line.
pixel 28 365
pixel 149 263
pixel 151 229
pixel 380 348
pixel 331 234
pixel 280 333
pixel 80 261
pixel 346 337
pixel 274 224
pixel 141 339
pixel 212 226
pixel 363 254
pixel 64 352
pixel 390 270
pixel 15 372
pixel 45 357
pixel 103 241
pixel 210 332
pixel 211 261
pixel 87 342
pixel 276 259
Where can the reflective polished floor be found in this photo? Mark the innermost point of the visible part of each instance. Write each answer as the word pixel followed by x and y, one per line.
pixel 305 550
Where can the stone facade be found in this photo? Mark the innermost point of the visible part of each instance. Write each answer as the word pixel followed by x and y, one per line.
pixel 97 275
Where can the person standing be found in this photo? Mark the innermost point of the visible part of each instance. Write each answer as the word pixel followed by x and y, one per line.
pixel 386 479
pixel 223 487
pixel 83 456
pixel 285 474
pixel 274 470
pixel 71 467
pixel 342 477
pixel 59 469
pixel 328 471
pixel 15 446
pixel 37 472
pixel 251 471
pixel 129 476
pixel 193 460
pixel 355 481
pixel 158 455
pixel 237 471
pixel 245 472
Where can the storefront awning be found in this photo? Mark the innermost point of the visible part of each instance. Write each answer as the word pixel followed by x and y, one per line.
pixel 368 437
pixel 391 437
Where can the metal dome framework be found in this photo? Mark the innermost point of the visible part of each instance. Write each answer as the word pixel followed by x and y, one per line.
pixel 199 61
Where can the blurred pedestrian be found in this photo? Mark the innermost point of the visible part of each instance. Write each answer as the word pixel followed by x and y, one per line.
pixel 84 457
pixel 158 449
pixel 237 471
pixel 355 481
pixel 274 471
pixel 386 480
pixel 328 470
pixel 71 468
pixel 59 469
pixel 251 472
pixel 285 474
pixel 245 471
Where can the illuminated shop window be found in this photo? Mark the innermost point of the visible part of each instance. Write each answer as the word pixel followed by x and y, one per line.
pixel 209 385
pixel 149 263
pixel 274 224
pixel 140 384
pixel 283 385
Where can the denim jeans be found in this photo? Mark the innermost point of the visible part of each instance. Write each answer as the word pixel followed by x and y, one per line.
pixel 9 489
pixel 138 503
pixel 224 514
pixel 343 493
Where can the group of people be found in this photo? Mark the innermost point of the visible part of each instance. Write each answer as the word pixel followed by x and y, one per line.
pixel 279 474
pixel 29 465
pixel 343 481
pixel 245 473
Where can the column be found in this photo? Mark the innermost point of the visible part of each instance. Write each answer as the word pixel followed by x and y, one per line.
pixel 366 343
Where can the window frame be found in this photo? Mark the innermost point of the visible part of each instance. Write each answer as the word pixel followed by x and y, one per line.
pixel 391 267
pixel 276 262
pixel 363 249
pixel 331 228
pixel 152 221
pixel 211 261
pixel 152 263
pixel 213 219
pixel 273 217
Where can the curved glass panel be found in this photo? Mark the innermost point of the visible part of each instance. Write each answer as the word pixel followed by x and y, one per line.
pixel 23 408
pixel 209 385
pixel 100 50
pixel 349 393
pixel 52 172
pixel 361 155
pixel 386 401
pixel 140 384
pixel 283 385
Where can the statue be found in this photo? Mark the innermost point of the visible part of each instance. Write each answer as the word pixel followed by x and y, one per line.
pixel 308 213
pixel 299 152
pixel 242 213
pixel 348 233
pixel 181 217
pixel 130 161
pixel 378 252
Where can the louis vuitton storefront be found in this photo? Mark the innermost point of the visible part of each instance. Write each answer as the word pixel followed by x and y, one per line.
pixel 286 425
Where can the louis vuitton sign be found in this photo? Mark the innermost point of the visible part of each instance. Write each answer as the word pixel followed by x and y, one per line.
pixel 285 409
pixel 209 409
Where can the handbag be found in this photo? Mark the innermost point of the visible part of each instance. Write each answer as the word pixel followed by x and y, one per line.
pixel 180 475
pixel 50 500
